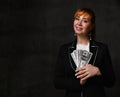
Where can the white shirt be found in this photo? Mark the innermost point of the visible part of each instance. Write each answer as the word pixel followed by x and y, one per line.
pixel 83 47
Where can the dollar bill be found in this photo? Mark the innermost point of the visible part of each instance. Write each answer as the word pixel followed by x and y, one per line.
pixel 81 57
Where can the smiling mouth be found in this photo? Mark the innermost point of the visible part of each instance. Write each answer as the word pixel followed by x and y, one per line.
pixel 79 29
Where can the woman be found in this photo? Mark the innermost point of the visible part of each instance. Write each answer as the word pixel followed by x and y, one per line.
pixel 88 80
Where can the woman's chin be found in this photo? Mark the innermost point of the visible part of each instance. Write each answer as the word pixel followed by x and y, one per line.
pixel 80 33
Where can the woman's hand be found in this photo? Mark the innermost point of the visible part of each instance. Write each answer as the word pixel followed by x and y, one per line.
pixel 86 72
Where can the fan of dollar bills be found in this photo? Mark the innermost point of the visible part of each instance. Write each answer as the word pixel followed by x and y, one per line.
pixel 81 57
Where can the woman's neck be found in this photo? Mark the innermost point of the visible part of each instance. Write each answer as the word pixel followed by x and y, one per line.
pixel 82 40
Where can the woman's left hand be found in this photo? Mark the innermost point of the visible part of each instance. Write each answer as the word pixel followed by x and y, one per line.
pixel 87 71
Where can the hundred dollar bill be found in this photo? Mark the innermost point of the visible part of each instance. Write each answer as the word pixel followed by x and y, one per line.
pixel 81 57
pixel 85 57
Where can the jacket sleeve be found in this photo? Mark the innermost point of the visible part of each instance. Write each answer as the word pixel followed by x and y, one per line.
pixel 107 77
pixel 61 80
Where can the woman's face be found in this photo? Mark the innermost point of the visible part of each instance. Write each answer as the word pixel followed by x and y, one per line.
pixel 82 25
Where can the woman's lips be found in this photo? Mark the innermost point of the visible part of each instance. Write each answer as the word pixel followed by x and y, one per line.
pixel 79 29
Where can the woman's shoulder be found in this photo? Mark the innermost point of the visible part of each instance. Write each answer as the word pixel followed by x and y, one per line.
pixel 63 48
pixel 67 45
pixel 101 44
pixel 72 43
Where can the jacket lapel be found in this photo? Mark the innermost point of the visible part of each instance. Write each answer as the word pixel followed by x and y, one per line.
pixel 70 50
pixel 94 50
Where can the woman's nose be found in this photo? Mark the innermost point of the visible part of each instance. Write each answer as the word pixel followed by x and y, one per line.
pixel 79 22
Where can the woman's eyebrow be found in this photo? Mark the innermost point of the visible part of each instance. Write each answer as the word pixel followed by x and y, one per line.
pixel 85 18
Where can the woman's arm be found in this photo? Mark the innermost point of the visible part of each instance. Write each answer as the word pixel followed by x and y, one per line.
pixel 107 73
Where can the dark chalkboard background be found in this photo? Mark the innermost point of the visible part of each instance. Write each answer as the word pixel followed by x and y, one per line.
pixel 31 32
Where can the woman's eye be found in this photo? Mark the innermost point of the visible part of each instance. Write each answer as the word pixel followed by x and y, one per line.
pixel 85 21
pixel 76 18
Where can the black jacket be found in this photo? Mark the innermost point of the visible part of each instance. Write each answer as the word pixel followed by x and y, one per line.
pixel 94 87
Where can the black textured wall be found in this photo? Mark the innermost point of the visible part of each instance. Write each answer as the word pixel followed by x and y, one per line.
pixel 31 32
